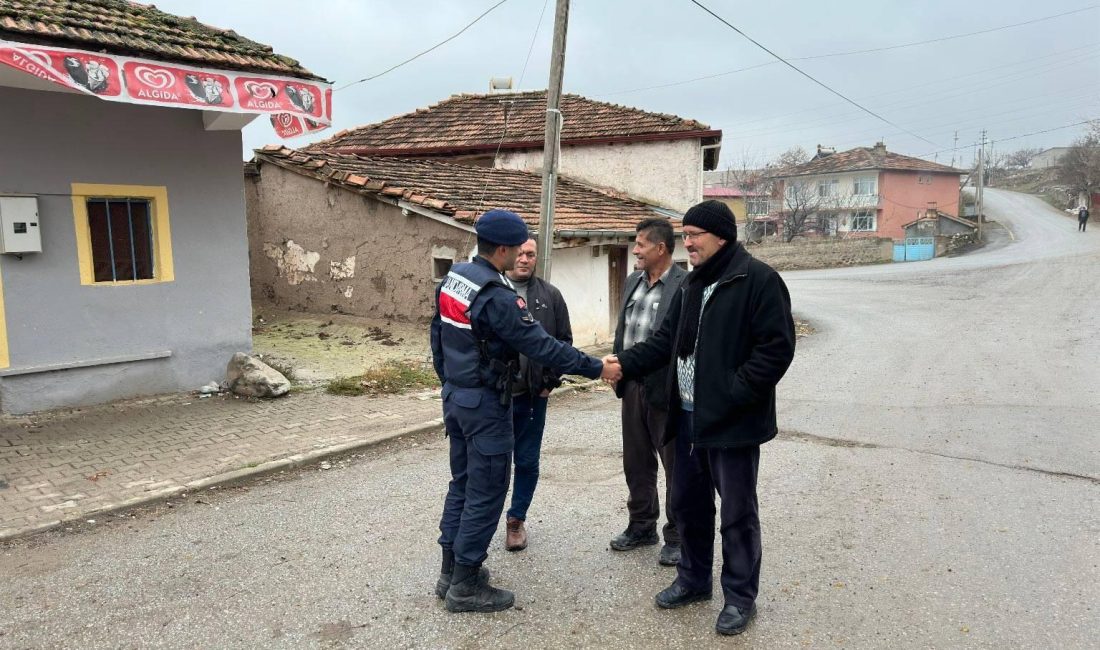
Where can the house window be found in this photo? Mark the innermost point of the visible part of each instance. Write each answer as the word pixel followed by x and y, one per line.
pixel 441 266
pixel 864 186
pixel 828 187
pixel 924 179
pixel 122 234
pixel 863 221
pixel 757 205
pixel 122 239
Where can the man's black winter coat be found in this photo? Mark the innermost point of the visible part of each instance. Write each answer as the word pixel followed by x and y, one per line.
pixel 745 345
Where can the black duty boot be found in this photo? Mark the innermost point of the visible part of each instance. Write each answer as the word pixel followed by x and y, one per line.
pixel 469 594
pixel 444 582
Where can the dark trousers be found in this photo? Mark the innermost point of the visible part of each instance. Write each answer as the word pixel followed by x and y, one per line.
pixel 732 473
pixel 1081 223
pixel 480 430
pixel 528 421
pixel 643 428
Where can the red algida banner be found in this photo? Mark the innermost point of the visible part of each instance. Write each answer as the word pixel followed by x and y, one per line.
pixel 296 106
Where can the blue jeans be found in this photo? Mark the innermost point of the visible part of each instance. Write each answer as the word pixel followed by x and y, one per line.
pixel 528 421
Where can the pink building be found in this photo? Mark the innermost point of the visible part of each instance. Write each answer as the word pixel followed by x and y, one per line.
pixel 865 192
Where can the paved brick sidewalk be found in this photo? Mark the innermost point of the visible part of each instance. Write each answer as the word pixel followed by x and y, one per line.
pixel 65 466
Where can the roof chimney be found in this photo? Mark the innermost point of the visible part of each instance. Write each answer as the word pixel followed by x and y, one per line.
pixel 879 148
pixel 500 84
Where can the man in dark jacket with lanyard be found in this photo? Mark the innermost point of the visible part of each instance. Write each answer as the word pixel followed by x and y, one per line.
pixel 479 329
pixel 646 298
pixel 729 337
pixel 531 393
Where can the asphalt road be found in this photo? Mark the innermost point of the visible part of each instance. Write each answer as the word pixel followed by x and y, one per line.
pixel 937 485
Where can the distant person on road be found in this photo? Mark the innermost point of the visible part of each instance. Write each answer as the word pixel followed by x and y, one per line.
pixel 1082 218
pixel 646 298
pixel 531 392
pixel 480 328
pixel 728 339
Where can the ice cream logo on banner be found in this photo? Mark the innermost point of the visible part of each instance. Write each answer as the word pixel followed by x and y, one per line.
pixel 267 95
pixel 90 73
pixel 296 107
pixel 172 85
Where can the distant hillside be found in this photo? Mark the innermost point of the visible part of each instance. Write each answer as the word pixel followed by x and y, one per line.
pixel 1040 182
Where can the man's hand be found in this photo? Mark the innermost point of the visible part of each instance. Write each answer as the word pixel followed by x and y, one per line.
pixel 612 371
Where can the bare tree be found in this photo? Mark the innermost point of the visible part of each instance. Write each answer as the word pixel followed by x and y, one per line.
pixel 1079 168
pixel 749 175
pixel 799 202
pixel 1021 158
pixel 789 158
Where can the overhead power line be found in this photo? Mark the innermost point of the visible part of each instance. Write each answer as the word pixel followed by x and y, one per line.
pixel 1014 137
pixel 534 37
pixel 437 45
pixel 853 52
pixel 810 77
pixel 948 38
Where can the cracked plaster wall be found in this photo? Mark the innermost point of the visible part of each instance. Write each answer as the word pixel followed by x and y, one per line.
pixel 322 249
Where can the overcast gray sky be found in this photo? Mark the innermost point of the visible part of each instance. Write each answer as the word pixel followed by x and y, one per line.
pixel 1012 81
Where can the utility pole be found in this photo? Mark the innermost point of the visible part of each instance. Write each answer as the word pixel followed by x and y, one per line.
pixel 981 184
pixel 955 148
pixel 550 145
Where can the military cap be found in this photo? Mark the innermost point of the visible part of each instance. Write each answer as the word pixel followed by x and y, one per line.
pixel 502 227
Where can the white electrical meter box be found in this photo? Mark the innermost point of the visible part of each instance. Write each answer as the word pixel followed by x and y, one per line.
pixel 19 231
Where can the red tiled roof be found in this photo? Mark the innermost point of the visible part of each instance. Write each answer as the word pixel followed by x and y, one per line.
pixel 132 29
pixel 460 190
pixel 477 122
pixel 863 158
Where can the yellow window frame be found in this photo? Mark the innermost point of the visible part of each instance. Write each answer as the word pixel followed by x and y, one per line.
pixel 157 195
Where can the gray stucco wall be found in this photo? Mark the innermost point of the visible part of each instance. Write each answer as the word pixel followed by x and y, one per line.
pixel 48 141
pixel 319 248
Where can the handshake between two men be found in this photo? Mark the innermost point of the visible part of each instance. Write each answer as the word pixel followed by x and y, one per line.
pixel 612 370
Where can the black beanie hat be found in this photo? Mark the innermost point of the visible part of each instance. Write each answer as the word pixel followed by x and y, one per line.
pixel 714 217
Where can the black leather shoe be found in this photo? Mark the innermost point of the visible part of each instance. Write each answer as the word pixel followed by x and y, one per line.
pixel 733 620
pixel 677 596
pixel 670 555
pixel 631 539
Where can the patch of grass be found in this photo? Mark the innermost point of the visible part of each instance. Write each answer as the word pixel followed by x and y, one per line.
pixel 347 386
pixel 393 378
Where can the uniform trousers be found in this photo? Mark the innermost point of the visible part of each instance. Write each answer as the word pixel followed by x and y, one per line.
pixel 480 431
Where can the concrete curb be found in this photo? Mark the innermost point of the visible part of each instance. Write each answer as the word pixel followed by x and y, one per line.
pixel 248 473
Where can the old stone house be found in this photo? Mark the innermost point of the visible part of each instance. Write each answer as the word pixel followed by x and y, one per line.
pixel 124 258
pixel 653 157
pixel 373 235
pixel 472 153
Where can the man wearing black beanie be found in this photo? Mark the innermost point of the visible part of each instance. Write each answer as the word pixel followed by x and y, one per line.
pixel 730 337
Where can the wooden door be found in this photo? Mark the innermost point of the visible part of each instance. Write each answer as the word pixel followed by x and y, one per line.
pixel 617 270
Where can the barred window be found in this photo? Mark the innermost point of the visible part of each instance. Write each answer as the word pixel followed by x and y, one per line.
pixel 863 221
pixel 122 239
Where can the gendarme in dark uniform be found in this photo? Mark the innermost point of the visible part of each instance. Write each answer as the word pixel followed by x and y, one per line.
pixel 480 327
